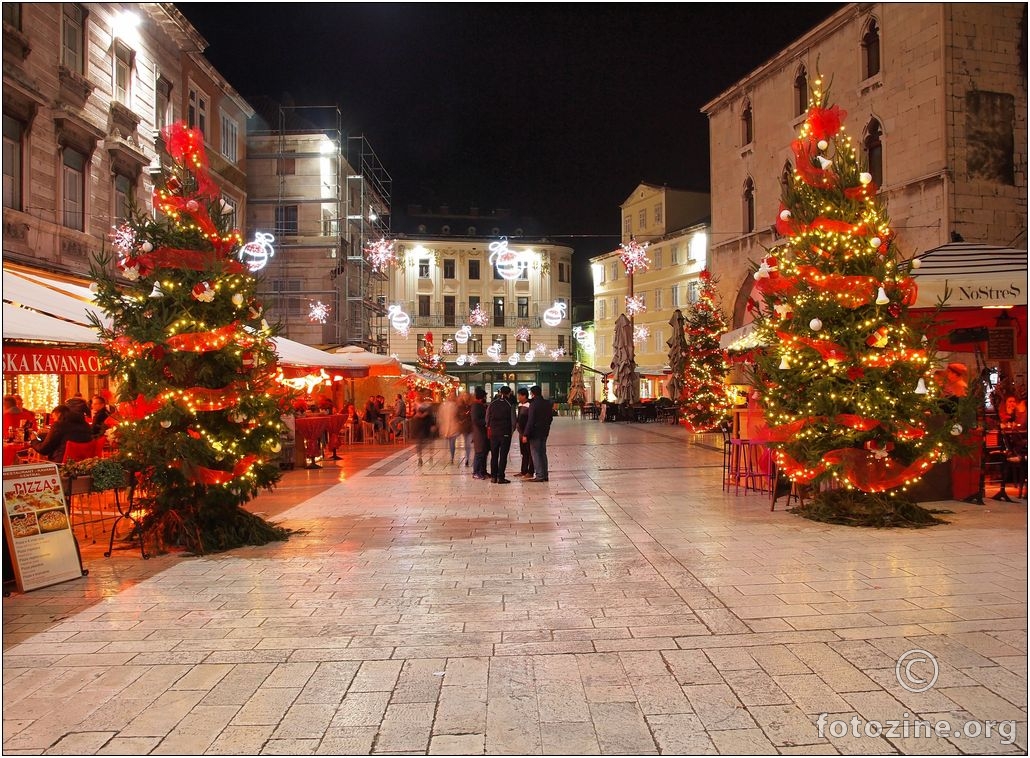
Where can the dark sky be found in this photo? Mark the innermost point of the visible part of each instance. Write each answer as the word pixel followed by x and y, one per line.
pixel 554 111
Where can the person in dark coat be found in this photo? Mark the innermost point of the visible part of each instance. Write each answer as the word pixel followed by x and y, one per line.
pixel 479 440
pixel 423 425
pixel 521 416
pixel 67 426
pixel 101 413
pixel 500 423
pixel 538 426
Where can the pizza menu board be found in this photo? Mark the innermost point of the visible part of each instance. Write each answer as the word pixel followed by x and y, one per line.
pixel 38 527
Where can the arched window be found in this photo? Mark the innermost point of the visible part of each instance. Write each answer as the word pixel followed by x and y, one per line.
pixel 801 91
pixel 786 174
pixel 749 206
pixel 871 49
pixel 873 148
pixel 747 126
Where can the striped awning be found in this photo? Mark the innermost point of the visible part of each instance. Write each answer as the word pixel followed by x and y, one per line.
pixel 972 276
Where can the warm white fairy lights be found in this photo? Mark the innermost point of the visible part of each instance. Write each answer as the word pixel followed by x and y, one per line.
pixel 634 305
pixel 478 317
pixel 318 313
pixel 634 256
pixel 640 334
pixel 381 254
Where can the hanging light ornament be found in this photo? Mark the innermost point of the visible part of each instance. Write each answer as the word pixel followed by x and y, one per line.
pixel 513 359
pixel 640 334
pixel 558 352
pixel 509 264
pixel 380 254
pixel 635 305
pixel 522 333
pixel 554 315
pixel 462 335
pixel 399 320
pixel 921 387
pixel 257 252
pixel 478 317
pixel 634 256
pixel 881 297
pixel 448 347
pixel 319 312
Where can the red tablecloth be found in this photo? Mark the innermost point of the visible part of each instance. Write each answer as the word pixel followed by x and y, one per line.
pixel 310 430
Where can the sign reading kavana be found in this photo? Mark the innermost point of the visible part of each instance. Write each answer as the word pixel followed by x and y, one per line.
pixel 50 360
pixel 38 527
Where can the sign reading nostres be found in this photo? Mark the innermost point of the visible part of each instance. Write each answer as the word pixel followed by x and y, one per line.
pixel 29 359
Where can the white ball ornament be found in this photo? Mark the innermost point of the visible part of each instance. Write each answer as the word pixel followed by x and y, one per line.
pixel 784 214
pixel 815 325
pixel 147 247
pixel 865 177
pixel 192 206
pixel 875 242
pixel 166 424
pixel 822 144
pixel 237 300
pixel 94 287
pixel 956 430
pixel 916 263
pixel 275 447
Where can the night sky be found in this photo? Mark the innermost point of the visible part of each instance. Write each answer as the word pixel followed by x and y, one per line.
pixel 554 111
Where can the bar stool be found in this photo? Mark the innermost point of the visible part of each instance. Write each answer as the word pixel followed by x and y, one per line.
pixel 368 432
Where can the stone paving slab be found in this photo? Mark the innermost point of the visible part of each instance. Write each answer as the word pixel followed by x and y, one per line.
pixel 628 606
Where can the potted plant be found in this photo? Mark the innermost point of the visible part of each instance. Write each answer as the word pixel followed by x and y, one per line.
pixel 93 475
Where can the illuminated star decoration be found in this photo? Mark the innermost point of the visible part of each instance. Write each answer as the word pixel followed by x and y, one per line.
pixel 478 317
pixel 635 305
pixel 319 312
pixel 522 334
pixel 640 334
pixel 634 256
pixel 381 254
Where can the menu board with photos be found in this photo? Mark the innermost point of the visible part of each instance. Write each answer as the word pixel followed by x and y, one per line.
pixel 38 527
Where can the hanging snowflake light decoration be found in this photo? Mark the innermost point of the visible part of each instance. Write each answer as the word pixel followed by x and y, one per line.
pixel 381 254
pixel 635 305
pixel 634 256
pixel 541 347
pixel 558 352
pixel 472 360
pixel 318 312
pixel 522 333
pixel 124 239
pixel 478 317
pixel 640 334
pixel 448 347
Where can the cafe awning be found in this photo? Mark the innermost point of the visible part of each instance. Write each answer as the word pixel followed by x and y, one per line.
pixel 973 275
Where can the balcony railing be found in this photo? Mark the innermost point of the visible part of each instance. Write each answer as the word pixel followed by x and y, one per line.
pixel 509 322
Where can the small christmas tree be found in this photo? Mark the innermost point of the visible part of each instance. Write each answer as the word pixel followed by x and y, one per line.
pixel 845 384
pixel 704 390
pixel 193 360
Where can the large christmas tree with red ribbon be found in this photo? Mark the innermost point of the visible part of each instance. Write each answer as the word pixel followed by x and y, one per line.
pixel 703 399
pixel 846 381
pixel 193 361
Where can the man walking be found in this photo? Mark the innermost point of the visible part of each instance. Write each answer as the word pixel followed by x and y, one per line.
pixel 479 440
pixel 500 423
pixel 538 426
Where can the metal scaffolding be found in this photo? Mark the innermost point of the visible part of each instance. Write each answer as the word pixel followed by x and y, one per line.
pixel 325 195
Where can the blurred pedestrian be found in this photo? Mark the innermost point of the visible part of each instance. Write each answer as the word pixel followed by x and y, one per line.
pixel 422 426
pixel 465 425
pixel 447 419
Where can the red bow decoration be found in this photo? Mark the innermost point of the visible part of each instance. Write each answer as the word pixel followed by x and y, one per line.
pixel 210 476
pixel 871 474
pixel 823 123
pixel 805 153
pixel 187 146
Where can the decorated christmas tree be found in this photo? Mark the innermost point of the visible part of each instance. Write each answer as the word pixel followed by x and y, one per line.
pixel 703 398
pixel 846 382
pixel 193 361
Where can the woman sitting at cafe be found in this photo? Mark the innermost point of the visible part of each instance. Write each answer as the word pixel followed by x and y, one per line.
pixel 66 426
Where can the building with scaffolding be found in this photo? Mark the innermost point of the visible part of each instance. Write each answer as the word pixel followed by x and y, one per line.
pixel 323 195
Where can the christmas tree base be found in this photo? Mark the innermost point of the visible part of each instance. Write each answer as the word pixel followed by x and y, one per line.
pixel 237 528
pixel 855 508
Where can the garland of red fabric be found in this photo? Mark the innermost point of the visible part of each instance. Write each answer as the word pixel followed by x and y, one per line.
pixel 851 291
pixel 197 260
pixel 205 342
pixel 205 398
pixel 210 476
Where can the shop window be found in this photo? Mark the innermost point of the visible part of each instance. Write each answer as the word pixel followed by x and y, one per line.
pixel 871 49
pixel 73 175
pixel 14 140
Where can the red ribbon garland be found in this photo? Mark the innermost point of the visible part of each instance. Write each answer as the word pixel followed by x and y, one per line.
pixel 851 291
pixel 205 398
pixel 210 476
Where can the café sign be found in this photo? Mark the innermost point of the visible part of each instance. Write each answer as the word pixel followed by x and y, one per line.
pixel 37 359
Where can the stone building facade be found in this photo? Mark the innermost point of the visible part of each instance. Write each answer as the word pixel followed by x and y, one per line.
pixel 87 88
pixel 936 100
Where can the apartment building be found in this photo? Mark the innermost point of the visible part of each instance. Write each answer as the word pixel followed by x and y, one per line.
pixel 674 225
pixel 936 100
pixel 498 310
pixel 87 88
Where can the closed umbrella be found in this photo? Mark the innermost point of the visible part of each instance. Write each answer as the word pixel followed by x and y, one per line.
pixel 578 389
pixel 677 355
pixel 624 367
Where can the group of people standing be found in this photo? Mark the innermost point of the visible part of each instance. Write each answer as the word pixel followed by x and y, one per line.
pixel 488 429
